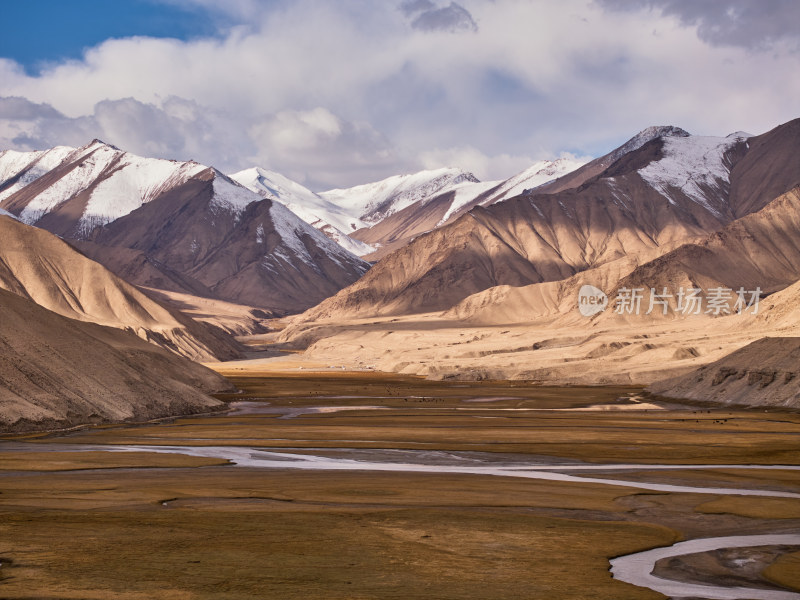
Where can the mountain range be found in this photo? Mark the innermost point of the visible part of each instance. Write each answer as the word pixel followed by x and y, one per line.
pixel 177 226
pixel 666 188
pixel 185 228
pixel 494 292
pixel 466 279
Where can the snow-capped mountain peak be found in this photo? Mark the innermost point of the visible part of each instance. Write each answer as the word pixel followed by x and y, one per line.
pixel 324 215
pixel 693 164
pixel 534 176
pixel 18 169
pixel 180 226
pixel 231 195
pixel 378 200
pixel 646 135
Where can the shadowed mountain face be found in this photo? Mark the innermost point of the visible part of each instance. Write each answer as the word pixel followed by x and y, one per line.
pixel 39 266
pixel 759 250
pixel 177 226
pixel 59 372
pixel 668 189
pixel 262 255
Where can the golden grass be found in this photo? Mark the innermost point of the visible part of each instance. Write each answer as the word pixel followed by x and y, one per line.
pixel 753 507
pixel 176 527
pixel 241 533
pixel 785 571
pixel 63 461
pixel 650 437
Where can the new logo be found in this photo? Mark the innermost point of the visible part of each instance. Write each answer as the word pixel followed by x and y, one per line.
pixel 591 300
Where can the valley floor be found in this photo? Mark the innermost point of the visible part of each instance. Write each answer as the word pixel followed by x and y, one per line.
pixel 632 351
pixel 368 485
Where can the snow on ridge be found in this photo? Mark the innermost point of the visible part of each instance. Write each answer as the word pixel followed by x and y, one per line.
pixel 691 163
pixel 541 172
pixel 646 135
pixel 352 245
pixel 375 201
pixel 292 228
pixel 309 206
pixel 135 182
pixel 466 192
pixel 120 182
pixel 305 204
pixel 537 174
pixel 71 184
pixel 35 164
pixel 273 185
pixel 231 196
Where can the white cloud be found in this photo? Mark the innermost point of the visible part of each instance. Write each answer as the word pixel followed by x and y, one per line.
pixel 344 92
pixel 316 146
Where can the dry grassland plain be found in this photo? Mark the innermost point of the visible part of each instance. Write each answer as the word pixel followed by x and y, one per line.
pixel 140 525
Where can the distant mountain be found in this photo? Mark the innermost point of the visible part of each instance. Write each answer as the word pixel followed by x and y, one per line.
pixel 375 218
pixel 345 214
pixel 18 169
pixel 59 372
pixel 593 168
pixel 333 220
pixel 71 191
pixel 452 201
pixel 178 226
pixel 662 188
pixel 535 176
pixel 37 265
pixel 376 201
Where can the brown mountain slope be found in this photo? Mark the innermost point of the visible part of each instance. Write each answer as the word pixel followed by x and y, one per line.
pixel 760 250
pixel 263 256
pixel 780 312
pixel 671 189
pixel 548 300
pixel 137 267
pixel 180 226
pixel 39 266
pixel 58 372
pixel 769 168
pixel 763 373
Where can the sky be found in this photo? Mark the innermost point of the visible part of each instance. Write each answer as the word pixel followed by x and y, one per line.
pixel 333 93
